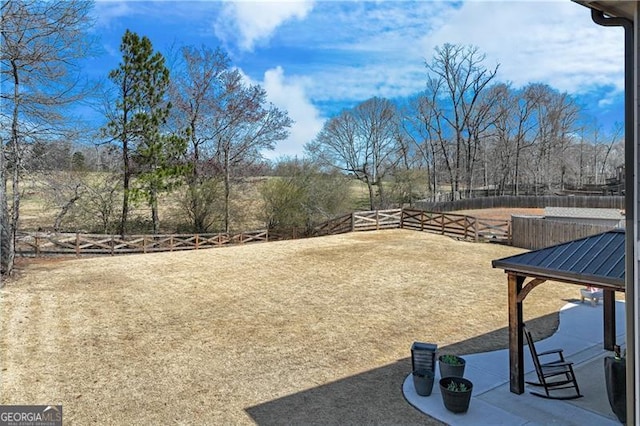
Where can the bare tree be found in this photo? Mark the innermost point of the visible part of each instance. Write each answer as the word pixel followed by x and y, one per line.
pixel 614 137
pixel 556 117
pixel 361 141
pixel 419 126
pixel 513 126
pixel 41 43
pixel 596 153
pixel 244 124
pixel 197 85
pixel 411 175
pixel 228 123
pixel 82 200
pixel 481 120
pixel 457 118
pixel 378 125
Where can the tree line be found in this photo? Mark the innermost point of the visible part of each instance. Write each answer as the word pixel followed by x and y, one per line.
pixel 195 129
pixel 190 125
pixel 467 131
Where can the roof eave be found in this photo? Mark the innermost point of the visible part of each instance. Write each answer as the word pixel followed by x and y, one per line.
pixel 611 8
pixel 566 277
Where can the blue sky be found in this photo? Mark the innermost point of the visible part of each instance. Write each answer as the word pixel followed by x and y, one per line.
pixel 317 57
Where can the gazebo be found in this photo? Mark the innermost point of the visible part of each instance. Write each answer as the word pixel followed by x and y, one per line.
pixel 598 260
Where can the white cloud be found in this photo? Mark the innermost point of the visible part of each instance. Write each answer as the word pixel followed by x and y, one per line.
pixel 355 84
pixel 610 98
pixel 289 95
pixel 357 50
pixel 256 21
pixel 551 42
pixel 339 53
pixel 108 11
pixel 380 49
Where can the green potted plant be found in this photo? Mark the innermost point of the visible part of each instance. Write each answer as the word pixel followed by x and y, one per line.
pixel 451 366
pixel 456 393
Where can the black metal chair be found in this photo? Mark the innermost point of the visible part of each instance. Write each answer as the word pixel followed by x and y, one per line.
pixel 554 374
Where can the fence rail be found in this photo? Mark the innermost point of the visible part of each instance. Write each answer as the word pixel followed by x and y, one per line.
pixel 459 226
pixel 456 225
pixel 525 232
pixel 40 244
pixel 375 220
pixel 338 225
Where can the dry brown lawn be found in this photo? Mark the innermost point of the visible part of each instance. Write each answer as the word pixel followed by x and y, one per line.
pixel 314 331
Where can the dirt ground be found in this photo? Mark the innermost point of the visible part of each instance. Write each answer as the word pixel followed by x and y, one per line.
pixel 501 213
pixel 314 331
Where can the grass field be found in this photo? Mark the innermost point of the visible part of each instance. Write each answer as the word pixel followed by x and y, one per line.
pixel 43 195
pixel 314 331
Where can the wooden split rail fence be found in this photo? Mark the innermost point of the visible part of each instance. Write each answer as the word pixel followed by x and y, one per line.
pixel 46 244
pixel 454 225
pixel 361 221
pixel 458 226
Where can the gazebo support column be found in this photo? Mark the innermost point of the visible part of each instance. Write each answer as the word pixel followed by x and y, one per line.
pixel 609 313
pixel 600 248
pixel 516 353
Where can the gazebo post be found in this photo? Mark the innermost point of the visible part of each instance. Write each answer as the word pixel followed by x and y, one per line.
pixel 516 353
pixel 606 251
pixel 609 318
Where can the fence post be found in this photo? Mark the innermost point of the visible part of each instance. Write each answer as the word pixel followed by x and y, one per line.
pixel 377 220
pixel 77 244
pixel 144 243
pixel 475 228
pixel 353 222
pixel 37 241
pixel 113 245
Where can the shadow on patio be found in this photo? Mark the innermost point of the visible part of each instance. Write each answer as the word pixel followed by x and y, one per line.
pixel 374 396
pixel 580 335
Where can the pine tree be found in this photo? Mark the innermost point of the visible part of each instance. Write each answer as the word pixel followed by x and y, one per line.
pixel 141 112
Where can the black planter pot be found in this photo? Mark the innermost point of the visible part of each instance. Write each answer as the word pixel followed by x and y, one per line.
pixel 451 370
pixel 423 382
pixel 615 375
pixel 456 401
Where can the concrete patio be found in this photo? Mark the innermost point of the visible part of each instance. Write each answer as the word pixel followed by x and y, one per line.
pixel 580 335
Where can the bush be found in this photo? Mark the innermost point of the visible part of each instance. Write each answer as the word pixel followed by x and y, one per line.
pixel 303 197
pixel 202 204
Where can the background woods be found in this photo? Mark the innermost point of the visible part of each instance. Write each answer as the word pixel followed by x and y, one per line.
pixel 182 142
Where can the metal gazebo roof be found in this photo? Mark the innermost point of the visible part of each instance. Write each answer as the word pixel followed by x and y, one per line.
pixel 597 260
